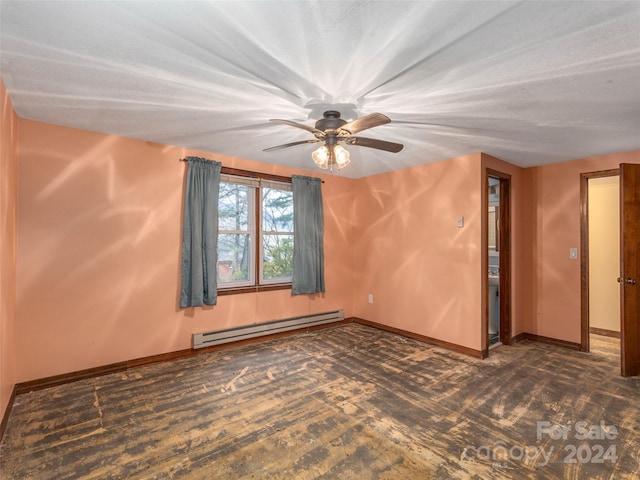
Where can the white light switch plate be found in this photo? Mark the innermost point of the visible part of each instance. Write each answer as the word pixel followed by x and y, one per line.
pixel 573 253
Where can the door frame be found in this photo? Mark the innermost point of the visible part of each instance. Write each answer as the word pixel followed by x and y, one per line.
pixel 584 251
pixel 504 223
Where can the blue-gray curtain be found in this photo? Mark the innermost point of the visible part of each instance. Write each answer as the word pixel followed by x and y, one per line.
pixel 308 230
pixel 200 233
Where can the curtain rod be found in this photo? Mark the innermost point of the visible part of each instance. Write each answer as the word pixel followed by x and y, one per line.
pixel 186 160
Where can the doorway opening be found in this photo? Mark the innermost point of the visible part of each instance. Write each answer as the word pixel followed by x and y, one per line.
pixel 600 260
pixel 629 264
pixel 498 259
pixel 493 245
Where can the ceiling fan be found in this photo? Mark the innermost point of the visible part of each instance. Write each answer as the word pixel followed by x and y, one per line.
pixel 334 131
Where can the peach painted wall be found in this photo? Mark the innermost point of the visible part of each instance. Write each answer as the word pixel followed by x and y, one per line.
pixel 8 230
pixel 556 194
pixel 423 271
pixel 99 246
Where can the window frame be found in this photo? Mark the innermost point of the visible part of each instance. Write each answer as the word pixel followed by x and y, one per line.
pixel 257 233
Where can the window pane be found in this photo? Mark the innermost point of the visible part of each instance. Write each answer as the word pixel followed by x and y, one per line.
pixel 233 207
pixel 277 210
pixel 234 263
pixel 277 257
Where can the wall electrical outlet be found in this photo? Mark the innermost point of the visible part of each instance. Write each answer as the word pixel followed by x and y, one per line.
pixel 460 222
pixel 371 298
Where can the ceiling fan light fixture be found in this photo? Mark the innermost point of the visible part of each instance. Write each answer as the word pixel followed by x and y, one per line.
pixel 341 155
pixel 321 157
pixel 328 155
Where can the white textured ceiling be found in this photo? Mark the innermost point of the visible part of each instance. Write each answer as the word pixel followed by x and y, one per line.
pixel 530 82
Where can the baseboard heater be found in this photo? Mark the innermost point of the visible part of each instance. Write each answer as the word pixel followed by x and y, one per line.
pixel 208 339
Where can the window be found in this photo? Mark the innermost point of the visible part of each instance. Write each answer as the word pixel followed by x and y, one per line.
pixel 235 231
pixel 276 259
pixel 255 233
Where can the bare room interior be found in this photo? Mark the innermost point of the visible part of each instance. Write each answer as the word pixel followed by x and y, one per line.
pixel 318 239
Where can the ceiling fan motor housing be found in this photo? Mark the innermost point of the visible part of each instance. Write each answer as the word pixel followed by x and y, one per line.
pixel 331 121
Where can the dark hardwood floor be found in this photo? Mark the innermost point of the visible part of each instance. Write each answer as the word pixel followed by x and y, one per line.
pixel 349 402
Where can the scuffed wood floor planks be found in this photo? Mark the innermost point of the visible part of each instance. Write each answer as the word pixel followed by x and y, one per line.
pixel 349 402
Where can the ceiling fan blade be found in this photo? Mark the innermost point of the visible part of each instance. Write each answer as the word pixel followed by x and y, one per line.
pixel 373 143
pixel 293 144
pixel 368 121
pixel 313 130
